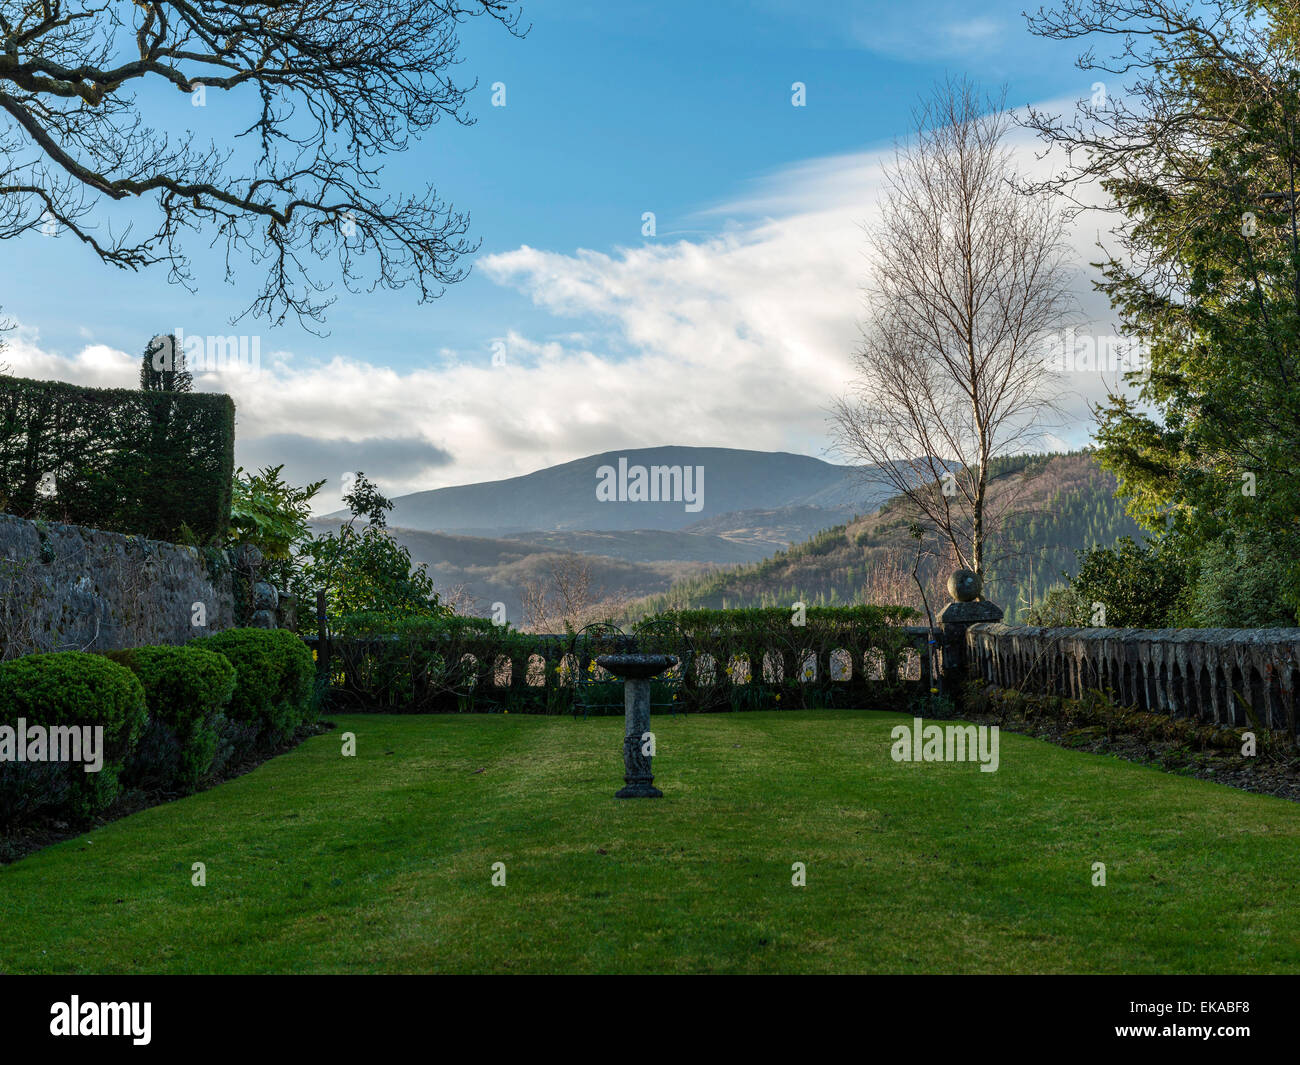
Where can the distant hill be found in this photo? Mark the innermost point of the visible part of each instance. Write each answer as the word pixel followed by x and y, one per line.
pixel 1062 502
pixel 781 527
pixel 483 570
pixel 798 536
pixel 655 545
pixel 798 489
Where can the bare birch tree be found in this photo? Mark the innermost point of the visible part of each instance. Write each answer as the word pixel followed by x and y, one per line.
pixel 969 282
pixel 570 598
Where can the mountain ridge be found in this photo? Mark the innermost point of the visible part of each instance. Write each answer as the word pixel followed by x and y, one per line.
pixel 564 498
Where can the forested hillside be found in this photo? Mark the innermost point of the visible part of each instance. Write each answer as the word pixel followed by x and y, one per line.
pixel 1056 504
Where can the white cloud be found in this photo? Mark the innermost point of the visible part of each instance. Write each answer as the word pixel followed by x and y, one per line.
pixel 948 34
pixel 739 340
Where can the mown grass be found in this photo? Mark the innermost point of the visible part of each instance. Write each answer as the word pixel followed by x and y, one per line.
pixel 383 862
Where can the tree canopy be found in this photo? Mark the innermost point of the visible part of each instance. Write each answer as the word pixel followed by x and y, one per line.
pixel 1194 141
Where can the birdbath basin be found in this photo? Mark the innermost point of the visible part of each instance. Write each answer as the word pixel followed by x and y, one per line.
pixel 636 671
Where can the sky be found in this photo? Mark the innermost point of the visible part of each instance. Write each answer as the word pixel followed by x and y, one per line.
pixel 733 325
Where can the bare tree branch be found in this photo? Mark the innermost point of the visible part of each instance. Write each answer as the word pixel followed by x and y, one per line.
pixel 332 87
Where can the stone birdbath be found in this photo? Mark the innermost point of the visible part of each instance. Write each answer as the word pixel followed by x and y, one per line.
pixel 636 671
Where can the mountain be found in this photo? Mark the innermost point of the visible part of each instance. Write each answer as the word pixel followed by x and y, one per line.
pixel 601 493
pixel 487 543
pixel 1056 504
pixel 772 528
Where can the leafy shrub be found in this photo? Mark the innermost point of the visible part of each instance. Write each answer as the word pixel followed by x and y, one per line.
pixel 1243 579
pixel 1141 586
pixel 72 688
pixel 186 689
pixel 1060 608
pixel 366 571
pixel 273 679
pixel 1241 582
pixel 268 513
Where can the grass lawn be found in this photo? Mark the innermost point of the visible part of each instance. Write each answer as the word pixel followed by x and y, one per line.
pixel 383 862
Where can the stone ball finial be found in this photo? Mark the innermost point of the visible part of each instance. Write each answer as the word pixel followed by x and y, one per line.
pixel 965 585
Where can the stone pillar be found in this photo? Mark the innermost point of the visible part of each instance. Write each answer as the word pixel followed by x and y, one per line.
pixel 966 609
pixel 266 600
pixel 286 614
pixel 636 723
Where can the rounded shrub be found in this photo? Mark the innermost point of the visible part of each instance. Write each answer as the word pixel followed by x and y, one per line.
pixel 75 689
pixel 298 672
pixel 187 690
pixel 273 683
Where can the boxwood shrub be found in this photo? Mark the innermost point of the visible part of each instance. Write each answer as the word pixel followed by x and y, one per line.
pixel 72 688
pixel 297 675
pixel 187 690
pixel 273 685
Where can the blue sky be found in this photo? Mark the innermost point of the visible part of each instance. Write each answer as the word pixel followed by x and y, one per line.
pixel 683 109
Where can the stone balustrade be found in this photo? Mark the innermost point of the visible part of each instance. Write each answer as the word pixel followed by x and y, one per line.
pixel 545 660
pixel 1223 676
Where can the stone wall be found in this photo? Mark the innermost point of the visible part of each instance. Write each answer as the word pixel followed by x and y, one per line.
pixel 63 587
pixel 1210 675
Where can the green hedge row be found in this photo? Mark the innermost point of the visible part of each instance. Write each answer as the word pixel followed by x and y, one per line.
pixel 779 657
pixel 173 717
pixel 155 464
pixel 425 665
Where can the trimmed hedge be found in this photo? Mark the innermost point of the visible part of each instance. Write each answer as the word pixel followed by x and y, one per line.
pixel 273 686
pixel 173 718
pixel 421 664
pixel 797 647
pixel 431 665
pixel 186 690
pixel 72 688
pixel 155 464
pixel 297 674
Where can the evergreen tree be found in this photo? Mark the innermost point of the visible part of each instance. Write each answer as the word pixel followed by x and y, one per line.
pixel 1201 159
pixel 162 367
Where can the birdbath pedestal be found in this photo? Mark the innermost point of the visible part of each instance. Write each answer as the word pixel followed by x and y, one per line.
pixel 636 671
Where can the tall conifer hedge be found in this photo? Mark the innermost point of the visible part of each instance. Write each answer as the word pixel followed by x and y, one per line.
pixel 147 463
